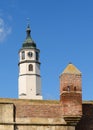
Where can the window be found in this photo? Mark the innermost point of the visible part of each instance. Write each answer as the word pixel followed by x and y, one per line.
pixel 68 88
pixel 37 94
pixel 23 55
pixel 75 88
pixel 37 56
pixel 22 94
pixel 30 67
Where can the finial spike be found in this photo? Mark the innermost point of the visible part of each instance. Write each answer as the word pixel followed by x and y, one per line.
pixel 28 21
pixel 70 62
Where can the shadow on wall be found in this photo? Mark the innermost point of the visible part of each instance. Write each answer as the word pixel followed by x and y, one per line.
pixel 86 122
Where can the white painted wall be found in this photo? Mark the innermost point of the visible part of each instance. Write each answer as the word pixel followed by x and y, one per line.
pixel 26 54
pixel 29 82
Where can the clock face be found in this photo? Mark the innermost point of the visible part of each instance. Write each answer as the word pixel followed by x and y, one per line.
pixel 30 54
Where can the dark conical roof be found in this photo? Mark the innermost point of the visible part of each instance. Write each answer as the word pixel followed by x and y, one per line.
pixel 28 43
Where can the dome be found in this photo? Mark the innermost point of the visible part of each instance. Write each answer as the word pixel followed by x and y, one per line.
pixel 29 43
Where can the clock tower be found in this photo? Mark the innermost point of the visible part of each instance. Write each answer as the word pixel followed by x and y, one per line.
pixel 29 81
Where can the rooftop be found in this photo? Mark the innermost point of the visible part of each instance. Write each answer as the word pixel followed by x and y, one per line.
pixel 29 42
pixel 31 102
pixel 71 69
pixel 28 101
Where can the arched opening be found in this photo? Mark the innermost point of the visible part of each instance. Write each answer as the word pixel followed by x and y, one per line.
pixel 75 88
pixel 68 88
pixel 30 67
pixel 23 55
pixel 37 56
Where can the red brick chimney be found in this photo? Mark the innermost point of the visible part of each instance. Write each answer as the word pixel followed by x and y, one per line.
pixel 71 94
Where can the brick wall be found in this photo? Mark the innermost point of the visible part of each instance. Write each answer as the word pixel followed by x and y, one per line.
pixel 71 94
pixel 42 110
pixel 71 103
pixel 71 80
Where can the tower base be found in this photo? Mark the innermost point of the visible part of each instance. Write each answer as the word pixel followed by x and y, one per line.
pixel 33 98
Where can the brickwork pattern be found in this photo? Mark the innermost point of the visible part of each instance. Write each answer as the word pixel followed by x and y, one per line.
pixel 71 80
pixel 71 103
pixel 46 111
pixel 71 94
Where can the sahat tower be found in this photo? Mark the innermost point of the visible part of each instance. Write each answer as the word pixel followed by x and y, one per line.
pixel 29 81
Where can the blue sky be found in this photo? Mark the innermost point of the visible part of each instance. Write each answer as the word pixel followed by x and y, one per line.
pixel 62 30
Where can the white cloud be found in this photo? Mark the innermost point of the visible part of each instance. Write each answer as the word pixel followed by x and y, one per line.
pixel 5 30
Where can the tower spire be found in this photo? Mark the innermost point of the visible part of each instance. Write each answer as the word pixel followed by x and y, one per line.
pixel 28 21
pixel 28 30
pixel 29 42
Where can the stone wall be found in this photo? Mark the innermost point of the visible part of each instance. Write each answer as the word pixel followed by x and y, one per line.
pixel 6 127
pixel 45 128
pixel 29 115
pixel 6 116
pixel 6 112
